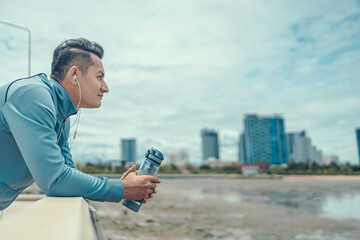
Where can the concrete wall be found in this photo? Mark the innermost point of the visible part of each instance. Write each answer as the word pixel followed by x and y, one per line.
pixel 51 218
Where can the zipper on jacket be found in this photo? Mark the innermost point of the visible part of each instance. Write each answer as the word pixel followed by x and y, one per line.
pixel 62 126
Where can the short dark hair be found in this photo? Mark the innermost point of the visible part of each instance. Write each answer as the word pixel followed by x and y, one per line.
pixel 74 52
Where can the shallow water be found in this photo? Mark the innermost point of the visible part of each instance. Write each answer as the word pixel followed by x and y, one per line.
pixel 341 207
pixel 254 209
pixel 326 200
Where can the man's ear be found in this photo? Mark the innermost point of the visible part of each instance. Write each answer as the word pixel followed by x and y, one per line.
pixel 73 71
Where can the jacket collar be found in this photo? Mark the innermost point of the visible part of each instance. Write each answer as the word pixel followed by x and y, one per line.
pixel 64 102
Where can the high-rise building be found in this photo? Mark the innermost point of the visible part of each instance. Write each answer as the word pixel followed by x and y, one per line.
pixel 241 148
pixel 179 159
pixel 210 144
pixel 358 141
pixel 264 139
pixel 128 150
pixel 327 160
pixel 301 149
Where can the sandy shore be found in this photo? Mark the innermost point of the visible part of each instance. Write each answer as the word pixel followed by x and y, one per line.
pixel 249 209
pixel 290 207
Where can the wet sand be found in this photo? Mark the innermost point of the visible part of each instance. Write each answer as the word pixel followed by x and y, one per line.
pixel 256 209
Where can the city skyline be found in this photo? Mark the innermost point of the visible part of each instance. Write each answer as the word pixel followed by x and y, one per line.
pixel 265 142
pixel 175 68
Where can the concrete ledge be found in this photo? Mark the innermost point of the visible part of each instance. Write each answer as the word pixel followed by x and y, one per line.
pixel 51 218
pixel 29 197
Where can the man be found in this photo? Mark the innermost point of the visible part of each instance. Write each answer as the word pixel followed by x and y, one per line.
pixel 35 126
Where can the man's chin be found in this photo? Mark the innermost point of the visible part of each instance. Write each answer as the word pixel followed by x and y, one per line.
pixel 93 106
pixel 96 106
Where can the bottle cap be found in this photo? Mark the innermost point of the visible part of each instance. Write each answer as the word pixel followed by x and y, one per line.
pixel 154 155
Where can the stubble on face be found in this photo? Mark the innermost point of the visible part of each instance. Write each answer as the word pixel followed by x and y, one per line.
pixel 95 86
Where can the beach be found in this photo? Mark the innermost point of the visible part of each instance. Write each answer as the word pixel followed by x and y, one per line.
pixel 294 207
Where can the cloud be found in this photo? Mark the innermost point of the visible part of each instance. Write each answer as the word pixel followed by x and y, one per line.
pixel 174 68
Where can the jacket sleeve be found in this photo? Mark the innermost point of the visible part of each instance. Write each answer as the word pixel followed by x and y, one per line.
pixel 30 115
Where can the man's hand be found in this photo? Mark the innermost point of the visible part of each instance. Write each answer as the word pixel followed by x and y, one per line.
pixel 138 187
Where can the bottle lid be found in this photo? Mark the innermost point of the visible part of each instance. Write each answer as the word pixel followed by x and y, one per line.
pixel 154 155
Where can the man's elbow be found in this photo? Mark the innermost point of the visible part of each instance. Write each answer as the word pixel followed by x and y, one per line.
pixel 53 187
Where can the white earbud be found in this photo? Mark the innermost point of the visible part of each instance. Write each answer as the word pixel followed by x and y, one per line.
pixel 78 106
pixel 75 78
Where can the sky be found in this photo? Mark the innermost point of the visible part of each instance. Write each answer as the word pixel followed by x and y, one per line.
pixel 176 67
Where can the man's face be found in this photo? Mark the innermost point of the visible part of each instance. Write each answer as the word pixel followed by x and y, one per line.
pixel 93 86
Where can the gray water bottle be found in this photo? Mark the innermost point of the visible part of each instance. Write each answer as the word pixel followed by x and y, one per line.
pixel 150 166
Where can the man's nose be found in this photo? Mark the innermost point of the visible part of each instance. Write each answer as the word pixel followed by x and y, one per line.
pixel 105 88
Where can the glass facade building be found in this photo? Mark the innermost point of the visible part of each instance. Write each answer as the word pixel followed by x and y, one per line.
pixel 358 141
pixel 264 140
pixel 241 148
pixel 128 150
pixel 210 144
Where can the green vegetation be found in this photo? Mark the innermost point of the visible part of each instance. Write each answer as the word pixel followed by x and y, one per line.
pixel 169 169
pixel 315 169
pixel 96 168
pixel 200 170
pixel 92 168
pixel 290 169
pixel 224 169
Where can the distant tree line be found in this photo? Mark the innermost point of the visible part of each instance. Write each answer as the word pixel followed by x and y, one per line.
pixel 315 169
pixel 208 169
pixel 94 168
pixel 288 169
pixel 105 168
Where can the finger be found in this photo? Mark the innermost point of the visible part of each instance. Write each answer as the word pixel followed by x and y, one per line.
pixel 131 169
pixel 149 195
pixel 144 201
pixel 146 196
pixel 131 173
pixel 154 179
pixel 152 185
pixel 153 191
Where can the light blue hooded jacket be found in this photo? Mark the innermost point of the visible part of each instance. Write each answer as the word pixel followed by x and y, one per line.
pixel 34 132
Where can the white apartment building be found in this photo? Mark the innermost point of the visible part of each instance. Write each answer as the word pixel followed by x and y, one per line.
pixel 331 158
pixel 301 149
pixel 179 159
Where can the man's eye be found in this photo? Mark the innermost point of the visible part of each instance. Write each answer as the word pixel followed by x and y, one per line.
pixel 99 77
